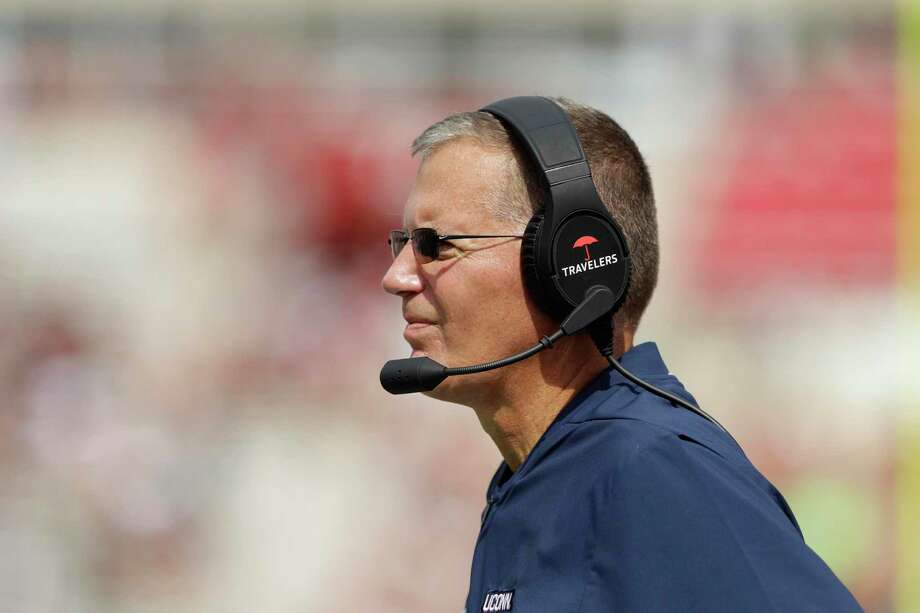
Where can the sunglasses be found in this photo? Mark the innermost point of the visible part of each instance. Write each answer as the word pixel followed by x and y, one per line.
pixel 426 242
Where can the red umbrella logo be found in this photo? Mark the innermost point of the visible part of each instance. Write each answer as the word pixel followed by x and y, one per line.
pixel 584 241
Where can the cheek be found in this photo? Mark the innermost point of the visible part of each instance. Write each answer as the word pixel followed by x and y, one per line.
pixel 493 306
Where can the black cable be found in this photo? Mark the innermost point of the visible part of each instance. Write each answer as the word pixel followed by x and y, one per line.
pixel 602 334
pixel 545 342
pixel 668 396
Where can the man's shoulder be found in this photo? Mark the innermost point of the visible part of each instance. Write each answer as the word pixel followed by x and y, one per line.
pixel 634 448
pixel 651 442
pixel 627 420
pixel 676 508
pixel 662 450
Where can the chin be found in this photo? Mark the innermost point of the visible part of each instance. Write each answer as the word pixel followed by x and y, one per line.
pixel 448 391
pixel 434 355
pixel 467 390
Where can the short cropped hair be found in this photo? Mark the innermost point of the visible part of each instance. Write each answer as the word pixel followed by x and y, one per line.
pixel 619 171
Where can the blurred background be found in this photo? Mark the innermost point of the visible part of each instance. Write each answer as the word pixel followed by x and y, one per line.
pixel 194 198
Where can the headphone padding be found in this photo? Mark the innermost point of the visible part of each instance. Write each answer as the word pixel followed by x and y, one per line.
pixel 539 290
pixel 529 256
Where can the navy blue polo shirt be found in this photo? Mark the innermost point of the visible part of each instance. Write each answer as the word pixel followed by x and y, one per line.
pixel 628 503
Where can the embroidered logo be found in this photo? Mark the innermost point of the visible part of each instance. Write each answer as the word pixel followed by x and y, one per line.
pixel 498 601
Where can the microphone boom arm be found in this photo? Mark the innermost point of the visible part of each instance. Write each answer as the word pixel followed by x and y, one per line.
pixel 423 374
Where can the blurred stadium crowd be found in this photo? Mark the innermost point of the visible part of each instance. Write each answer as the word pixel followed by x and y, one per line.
pixel 193 209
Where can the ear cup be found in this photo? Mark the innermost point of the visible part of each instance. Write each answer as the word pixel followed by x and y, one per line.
pixel 541 289
pixel 547 290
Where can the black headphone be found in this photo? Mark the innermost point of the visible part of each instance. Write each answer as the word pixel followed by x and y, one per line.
pixel 574 243
pixel 569 282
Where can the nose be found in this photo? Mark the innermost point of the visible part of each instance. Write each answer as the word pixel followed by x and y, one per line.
pixel 403 276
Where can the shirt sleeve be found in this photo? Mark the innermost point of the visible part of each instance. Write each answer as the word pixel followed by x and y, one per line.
pixel 679 528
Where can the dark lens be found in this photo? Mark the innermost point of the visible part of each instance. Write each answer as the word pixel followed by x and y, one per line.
pixel 425 242
pixel 397 241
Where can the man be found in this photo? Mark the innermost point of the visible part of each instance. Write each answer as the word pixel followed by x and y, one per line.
pixel 609 498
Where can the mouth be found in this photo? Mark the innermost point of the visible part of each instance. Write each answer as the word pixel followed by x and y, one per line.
pixel 415 333
pixel 416 320
pixel 414 325
pixel 413 328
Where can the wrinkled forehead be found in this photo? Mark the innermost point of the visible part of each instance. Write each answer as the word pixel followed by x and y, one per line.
pixel 455 187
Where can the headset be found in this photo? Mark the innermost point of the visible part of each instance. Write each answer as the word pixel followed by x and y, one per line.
pixel 574 256
pixel 565 244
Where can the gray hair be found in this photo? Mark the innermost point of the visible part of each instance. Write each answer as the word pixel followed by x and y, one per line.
pixel 509 202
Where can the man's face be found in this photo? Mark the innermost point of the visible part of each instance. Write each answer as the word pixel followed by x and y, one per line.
pixel 469 305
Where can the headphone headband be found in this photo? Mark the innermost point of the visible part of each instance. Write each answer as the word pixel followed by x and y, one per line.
pixel 552 143
pixel 558 266
pixel 552 140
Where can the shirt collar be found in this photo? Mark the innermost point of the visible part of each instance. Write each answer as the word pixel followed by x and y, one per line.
pixel 643 360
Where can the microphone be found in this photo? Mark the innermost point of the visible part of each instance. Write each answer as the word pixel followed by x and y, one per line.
pixel 410 375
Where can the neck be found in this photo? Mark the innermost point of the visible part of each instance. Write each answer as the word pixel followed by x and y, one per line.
pixel 533 392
